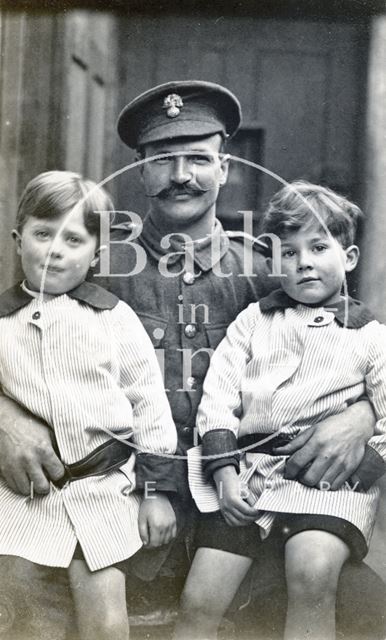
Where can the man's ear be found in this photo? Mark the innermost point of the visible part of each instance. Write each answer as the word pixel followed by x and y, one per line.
pixel 17 238
pixel 139 156
pixel 352 257
pixel 98 252
pixel 224 163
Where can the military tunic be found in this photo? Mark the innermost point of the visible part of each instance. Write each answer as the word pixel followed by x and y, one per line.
pixel 187 311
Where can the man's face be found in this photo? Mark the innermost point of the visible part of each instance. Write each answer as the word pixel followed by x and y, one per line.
pixel 184 188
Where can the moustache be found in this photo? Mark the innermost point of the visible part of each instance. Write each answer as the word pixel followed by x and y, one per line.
pixel 170 192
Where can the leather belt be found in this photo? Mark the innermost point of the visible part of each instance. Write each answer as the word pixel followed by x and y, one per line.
pixel 267 447
pixel 108 456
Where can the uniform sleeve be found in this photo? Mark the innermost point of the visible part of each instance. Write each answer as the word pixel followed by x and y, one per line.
pixel 154 432
pixel 373 465
pixel 266 281
pixel 219 412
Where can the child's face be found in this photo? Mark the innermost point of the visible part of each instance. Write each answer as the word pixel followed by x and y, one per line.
pixel 315 265
pixel 68 252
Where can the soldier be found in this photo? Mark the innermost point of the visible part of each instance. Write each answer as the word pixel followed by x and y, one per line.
pixel 189 279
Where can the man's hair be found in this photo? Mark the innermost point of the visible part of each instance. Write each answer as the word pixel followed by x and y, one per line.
pixel 294 207
pixel 54 193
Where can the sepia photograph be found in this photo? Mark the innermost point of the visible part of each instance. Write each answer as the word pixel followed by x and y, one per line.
pixel 192 320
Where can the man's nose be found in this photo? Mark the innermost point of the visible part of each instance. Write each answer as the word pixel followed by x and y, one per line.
pixel 182 171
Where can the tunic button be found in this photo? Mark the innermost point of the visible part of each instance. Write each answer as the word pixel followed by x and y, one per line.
pixel 36 315
pixel 186 430
pixel 319 319
pixel 191 382
pixel 188 277
pixel 190 330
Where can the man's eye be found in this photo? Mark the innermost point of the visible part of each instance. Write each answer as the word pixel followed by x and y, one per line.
pixel 162 160
pixel 41 234
pixel 200 159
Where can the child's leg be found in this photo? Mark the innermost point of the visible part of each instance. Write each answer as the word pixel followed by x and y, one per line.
pixel 34 601
pixel 211 585
pixel 100 602
pixel 313 562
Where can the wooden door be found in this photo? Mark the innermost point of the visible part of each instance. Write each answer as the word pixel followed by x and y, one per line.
pixel 298 81
pixel 88 86
pixel 57 104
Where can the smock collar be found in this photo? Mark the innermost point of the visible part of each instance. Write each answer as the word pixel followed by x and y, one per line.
pixel 348 312
pixel 95 296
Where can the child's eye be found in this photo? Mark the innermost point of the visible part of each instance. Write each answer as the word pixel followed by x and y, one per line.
pixel 288 253
pixel 74 240
pixel 318 248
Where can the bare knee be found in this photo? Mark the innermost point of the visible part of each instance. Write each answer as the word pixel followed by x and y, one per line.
pixel 314 561
pixel 213 580
pixel 195 608
pixel 313 582
pixel 100 602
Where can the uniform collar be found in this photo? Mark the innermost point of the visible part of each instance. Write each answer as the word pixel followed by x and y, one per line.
pixel 356 316
pixel 203 254
pixel 92 294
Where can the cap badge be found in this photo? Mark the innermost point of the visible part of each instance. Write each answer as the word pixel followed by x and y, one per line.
pixel 173 105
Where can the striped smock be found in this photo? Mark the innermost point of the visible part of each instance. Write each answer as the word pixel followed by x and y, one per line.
pixel 283 367
pixel 83 363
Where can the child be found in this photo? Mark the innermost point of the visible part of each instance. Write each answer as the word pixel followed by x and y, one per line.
pixel 301 354
pixel 78 358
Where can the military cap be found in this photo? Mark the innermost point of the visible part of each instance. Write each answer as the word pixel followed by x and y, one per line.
pixel 186 108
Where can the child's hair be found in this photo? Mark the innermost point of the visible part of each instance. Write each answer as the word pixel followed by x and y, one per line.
pixel 54 193
pixel 293 207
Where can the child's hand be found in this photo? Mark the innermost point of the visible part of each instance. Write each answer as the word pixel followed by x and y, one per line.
pixel 236 503
pixel 156 521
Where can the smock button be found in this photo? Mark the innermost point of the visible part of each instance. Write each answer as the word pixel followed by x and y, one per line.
pixel 186 430
pixel 190 330
pixel 188 277
pixel 319 319
pixel 36 315
pixel 191 382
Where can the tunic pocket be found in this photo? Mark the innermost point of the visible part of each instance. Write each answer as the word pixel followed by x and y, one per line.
pixel 215 334
pixel 155 328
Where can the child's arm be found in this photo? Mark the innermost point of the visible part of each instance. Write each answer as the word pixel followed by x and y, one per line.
pixel 236 504
pixel 156 521
pixel 218 415
pixel 373 465
pixel 154 432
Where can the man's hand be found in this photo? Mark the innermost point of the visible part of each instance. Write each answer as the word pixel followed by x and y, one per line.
pixel 330 451
pixel 236 503
pixel 26 452
pixel 156 521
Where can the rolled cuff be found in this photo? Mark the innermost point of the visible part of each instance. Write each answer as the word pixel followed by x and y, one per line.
pixel 213 465
pixel 155 473
pixel 221 443
pixel 370 469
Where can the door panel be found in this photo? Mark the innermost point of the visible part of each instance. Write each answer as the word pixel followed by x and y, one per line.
pixel 297 81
